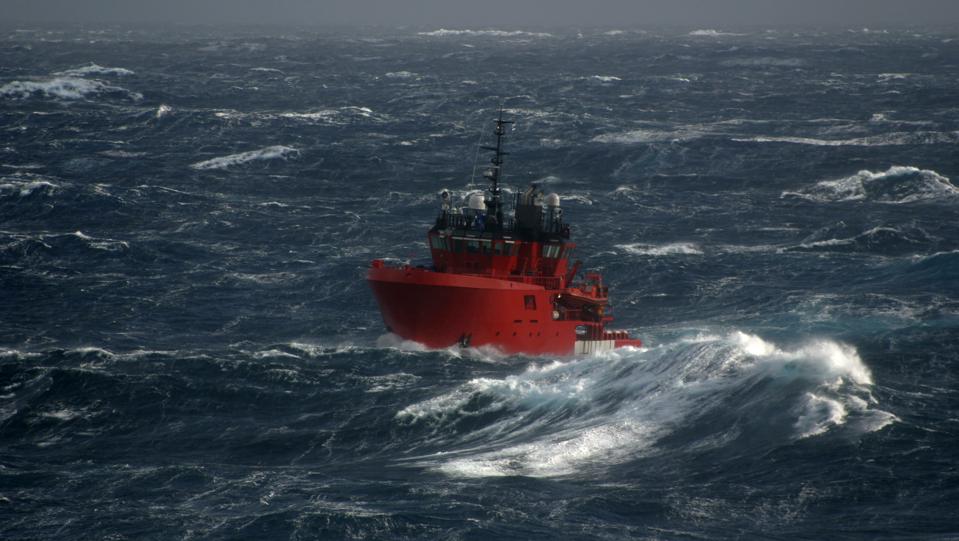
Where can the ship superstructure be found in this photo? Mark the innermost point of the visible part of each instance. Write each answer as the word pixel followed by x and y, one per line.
pixel 500 277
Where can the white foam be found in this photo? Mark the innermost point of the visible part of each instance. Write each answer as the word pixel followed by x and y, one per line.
pixel 818 415
pixel 401 75
pixel 712 33
pixel 443 32
pixel 26 188
pixel 605 78
pixel 674 248
pixel 764 61
pixel 898 184
pixel 68 88
pixel 563 417
pixel 163 110
pixel 648 136
pixel 269 153
pixel 337 116
pixel 888 139
pixel 94 69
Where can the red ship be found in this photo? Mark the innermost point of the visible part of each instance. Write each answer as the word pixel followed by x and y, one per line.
pixel 499 280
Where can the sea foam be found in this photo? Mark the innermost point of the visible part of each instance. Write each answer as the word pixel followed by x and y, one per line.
pixel 898 184
pixel 269 153
pixel 568 416
pixel 64 87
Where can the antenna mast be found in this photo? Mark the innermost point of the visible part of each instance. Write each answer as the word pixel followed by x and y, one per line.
pixel 493 174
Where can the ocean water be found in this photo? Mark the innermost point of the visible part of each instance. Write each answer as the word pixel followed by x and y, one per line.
pixel 188 349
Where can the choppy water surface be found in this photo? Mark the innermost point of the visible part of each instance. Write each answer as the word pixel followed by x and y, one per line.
pixel 188 348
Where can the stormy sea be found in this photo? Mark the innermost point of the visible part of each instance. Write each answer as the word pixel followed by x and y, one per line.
pixel 189 349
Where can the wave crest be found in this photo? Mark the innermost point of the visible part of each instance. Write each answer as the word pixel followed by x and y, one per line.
pixel 65 87
pixel 564 417
pixel 269 153
pixel 898 184
pixel 444 32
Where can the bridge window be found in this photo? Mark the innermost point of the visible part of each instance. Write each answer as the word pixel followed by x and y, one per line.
pixel 551 250
pixel 529 301
pixel 472 246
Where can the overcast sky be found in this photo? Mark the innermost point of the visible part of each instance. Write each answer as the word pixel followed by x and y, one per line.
pixel 487 13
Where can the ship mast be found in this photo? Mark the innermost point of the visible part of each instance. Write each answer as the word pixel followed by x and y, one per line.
pixel 493 174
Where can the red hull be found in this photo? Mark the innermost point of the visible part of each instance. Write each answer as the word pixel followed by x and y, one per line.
pixel 442 309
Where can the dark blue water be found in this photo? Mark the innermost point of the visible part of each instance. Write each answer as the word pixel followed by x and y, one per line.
pixel 188 348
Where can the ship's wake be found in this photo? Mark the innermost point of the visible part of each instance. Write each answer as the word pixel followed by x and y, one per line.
pixel 691 395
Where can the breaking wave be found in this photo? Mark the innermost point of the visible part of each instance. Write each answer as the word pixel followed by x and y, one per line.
pixel 269 153
pixel 648 136
pixel 898 184
pixel 709 32
pixel 25 188
pixel 64 87
pixel 889 139
pixel 675 248
pixel 94 69
pixel 881 240
pixel 764 62
pixel 333 116
pixel 443 32
pixel 568 416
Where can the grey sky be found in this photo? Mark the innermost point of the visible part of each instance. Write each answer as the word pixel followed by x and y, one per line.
pixel 502 13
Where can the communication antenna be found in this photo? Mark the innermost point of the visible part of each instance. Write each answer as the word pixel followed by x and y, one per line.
pixel 493 173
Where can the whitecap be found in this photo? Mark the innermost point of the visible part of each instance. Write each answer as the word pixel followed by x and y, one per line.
pixel 888 139
pixel 163 110
pixel 560 418
pixel 712 33
pixel 400 75
pixel 819 414
pixel 764 61
pixel 26 188
pixel 898 184
pixel 648 136
pixel 68 88
pixel 269 153
pixel 94 69
pixel 443 32
pixel 674 248
pixel 604 78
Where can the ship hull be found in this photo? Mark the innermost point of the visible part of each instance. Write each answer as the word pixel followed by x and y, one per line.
pixel 440 310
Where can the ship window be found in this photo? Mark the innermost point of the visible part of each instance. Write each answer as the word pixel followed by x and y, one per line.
pixel 514 249
pixel 529 301
pixel 486 247
pixel 438 243
pixel 551 250
pixel 472 246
